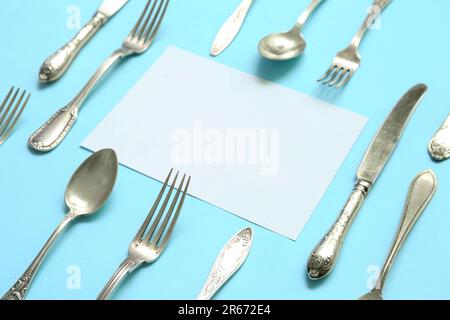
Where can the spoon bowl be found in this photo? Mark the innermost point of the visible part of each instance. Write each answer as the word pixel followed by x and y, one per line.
pixel 290 44
pixel 282 46
pixel 92 183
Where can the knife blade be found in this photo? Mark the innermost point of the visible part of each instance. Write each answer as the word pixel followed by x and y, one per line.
pixel 230 259
pixel 56 65
pixel 325 254
pixel 230 29
pixel 110 7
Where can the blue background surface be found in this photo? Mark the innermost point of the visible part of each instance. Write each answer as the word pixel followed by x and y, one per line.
pixel 408 49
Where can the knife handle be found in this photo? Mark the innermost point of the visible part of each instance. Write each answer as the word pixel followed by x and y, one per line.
pixel 55 65
pixel 324 256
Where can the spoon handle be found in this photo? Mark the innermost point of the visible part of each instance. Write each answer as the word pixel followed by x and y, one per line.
pixel 20 288
pixel 305 14
pixel 420 194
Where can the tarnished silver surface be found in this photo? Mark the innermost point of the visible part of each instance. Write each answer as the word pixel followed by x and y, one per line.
pixel 230 259
pixel 10 111
pixel 150 242
pixel 50 135
pixel 324 256
pixel 439 147
pixel 87 191
pixel 290 44
pixel 56 65
pixel 420 194
pixel 347 61
pixel 230 28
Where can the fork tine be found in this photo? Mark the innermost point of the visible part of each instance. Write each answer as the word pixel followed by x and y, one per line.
pixel 341 77
pixel 342 71
pixel 175 218
pixel 161 212
pixel 332 76
pixel 5 124
pixel 326 74
pixel 149 34
pixel 169 213
pixel 8 108
pixel 138 23
pixel 143 27
pixel 6 99
pixel 345 80
pixel 147 220
pixel 14 122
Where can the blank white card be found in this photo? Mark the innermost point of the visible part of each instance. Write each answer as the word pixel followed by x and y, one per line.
pixel 253 148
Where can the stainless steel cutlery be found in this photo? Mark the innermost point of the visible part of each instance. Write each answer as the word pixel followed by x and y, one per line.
pixel 57 64
pixel 230 259
pixel 10 111
pixel 324 256
pixel 290 44
pixel 347 61
pixel 420 194
pixel 439 147
pixel 230 29
pixel 50 135
pixel 87 191
pixel 149 242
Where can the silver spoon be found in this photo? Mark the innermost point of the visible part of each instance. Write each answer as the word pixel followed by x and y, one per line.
pixel 290 44
pixel 87 191
pixel 420 194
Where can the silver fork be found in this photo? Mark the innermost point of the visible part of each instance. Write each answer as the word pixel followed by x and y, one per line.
pixel 149 243
pixel 347 61
pixel 9 115
pixel 50 135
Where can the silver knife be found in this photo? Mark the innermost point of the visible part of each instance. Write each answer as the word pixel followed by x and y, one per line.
pixel 55 65
pixel 230 28
pixel 227 263
pixel 324 256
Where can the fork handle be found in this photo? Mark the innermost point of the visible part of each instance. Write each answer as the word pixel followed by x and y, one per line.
pixel 51 134
pixel 125 268
pixel 56 64
pixel 375 11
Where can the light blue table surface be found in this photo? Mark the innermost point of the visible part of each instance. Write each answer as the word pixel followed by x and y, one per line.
pixel 409 48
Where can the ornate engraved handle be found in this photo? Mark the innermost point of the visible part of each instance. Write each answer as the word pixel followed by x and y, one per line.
pixel 55 65
pixel 55 129
pixel 420 194
pixel 439 146
pixel 324 256
pixel 124 269
pixel 20 288
pixel 227 263
pixel 230 28
pixel 375 11
pixel 50 135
